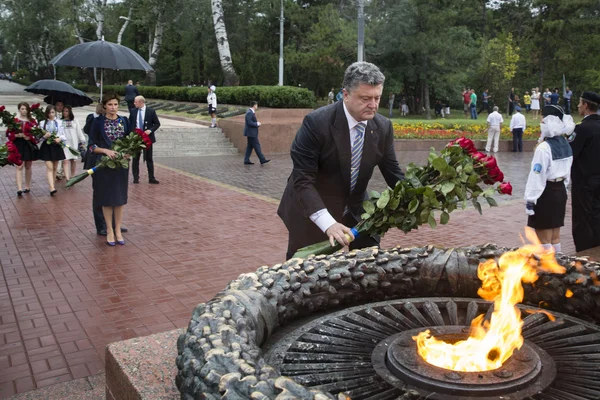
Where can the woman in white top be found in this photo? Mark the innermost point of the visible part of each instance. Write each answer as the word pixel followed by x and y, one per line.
pixel 211 99
pixel 52 152
pixel 546 188
pixel 73 138
pixel 535 103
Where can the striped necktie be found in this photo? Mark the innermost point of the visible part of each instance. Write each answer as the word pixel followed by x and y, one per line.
pixel 357 148
pixel 140 120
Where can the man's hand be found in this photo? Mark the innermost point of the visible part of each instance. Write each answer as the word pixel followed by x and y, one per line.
pixel 258 123
pixel 147 131
pixel 337 233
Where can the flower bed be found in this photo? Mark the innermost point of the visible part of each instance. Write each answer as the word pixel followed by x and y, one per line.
pixel 450 131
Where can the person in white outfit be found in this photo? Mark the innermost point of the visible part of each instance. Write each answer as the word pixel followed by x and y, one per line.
pixel 494 121
pixel 74 138
pixel 211 99
pixel 546 188
pixel 535 103
pixel 517 127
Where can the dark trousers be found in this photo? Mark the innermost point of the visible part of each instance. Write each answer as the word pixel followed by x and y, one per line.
pixel 484 106
pixel 517 140
pixel 97 209
pixel 473 111
pixel 135 164
pixel 130 105
pixel 253 144
pixel 511 108
pixel 294 243
pixel 567 106
pixel 585 203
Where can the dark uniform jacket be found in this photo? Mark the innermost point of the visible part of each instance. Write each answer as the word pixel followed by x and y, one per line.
pixel 586 150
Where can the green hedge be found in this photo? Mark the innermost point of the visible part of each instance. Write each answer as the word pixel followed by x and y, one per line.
pixel 267 96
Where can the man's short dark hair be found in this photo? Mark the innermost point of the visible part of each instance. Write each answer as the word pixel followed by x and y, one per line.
pixel 253 103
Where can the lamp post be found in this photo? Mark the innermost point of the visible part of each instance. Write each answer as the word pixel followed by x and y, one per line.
pixel 361 30
pixel 281 19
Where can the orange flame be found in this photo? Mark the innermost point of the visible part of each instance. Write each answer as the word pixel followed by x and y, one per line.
pixel 491 343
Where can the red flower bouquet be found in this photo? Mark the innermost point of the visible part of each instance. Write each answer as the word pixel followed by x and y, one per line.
pixel 9 155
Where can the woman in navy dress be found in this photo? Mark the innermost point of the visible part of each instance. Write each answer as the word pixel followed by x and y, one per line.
pixel 110 185
pixel 29 152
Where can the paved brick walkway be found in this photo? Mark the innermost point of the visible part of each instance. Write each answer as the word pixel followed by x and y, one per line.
pixel 64 295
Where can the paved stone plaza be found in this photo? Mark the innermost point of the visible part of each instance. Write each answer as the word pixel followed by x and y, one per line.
pixel 64 294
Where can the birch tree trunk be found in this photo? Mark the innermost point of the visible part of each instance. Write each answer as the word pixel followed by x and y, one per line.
pixel 159 29
pixel 231 78
pixel 120 36
pixel 100 6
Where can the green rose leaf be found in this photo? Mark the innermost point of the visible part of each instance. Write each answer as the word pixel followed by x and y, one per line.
pixel 431 220
pixel 383 200
pixel 439 164
pixel 491 201
pixel 111 164
pixel 374 194
pixel 365 216
pixel 394 203
pixel 477 206
pixel 368 207
pixel 425 215
pixel 412 207
pixel 447 187
pixel 444 218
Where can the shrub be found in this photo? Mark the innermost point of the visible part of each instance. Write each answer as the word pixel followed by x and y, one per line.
pixel 267 96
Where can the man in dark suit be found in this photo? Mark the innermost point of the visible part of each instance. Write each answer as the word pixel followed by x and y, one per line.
pixel 144 118
pixel 334 154
pixel 131 92
pixel 585 174
pixel 251 132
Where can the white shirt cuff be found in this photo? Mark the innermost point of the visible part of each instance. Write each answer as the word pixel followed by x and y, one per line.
pixel 323 219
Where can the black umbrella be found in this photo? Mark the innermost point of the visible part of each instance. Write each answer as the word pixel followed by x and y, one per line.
pixel 101 54
pixel 59 91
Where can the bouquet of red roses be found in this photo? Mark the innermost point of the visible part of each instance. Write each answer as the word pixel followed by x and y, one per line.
pixel 449 180
pixel 9 155
pixel 127 147
pixel 14 127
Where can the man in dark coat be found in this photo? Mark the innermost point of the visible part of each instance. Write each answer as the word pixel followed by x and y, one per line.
pixel 144 118
pixel 585 174
pixel 334 154
pixel 251 132
pixel 131 91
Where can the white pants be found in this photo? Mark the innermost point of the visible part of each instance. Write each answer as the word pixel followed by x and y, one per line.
pixel 493 136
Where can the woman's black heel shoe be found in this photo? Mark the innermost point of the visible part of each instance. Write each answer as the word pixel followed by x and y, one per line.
pixel 26 191
pixel 53 192
pixel 19 193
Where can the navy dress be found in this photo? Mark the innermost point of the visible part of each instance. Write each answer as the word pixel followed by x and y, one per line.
pixel 110 185
pixel 52 151
pixel 27 151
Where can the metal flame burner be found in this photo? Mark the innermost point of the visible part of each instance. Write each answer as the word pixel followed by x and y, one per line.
pixel 529 371
pixel 367 352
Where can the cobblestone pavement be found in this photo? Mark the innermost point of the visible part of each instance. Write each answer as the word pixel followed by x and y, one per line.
pixel 64 294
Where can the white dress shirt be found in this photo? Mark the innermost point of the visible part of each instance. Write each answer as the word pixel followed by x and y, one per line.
pixel 495 119
pixel 517 121
pixel 142 112
pixel 323 218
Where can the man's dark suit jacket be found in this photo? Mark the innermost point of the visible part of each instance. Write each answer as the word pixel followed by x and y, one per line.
pixel 151 121
pixel 321 155
pixel 251 127
pixel 131 92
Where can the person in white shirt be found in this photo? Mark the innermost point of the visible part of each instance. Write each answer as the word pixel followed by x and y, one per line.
pixel 74 138
pixel 517 127
pixel 546 188
pixel 494 121
pixel 211 99
pixel 535 103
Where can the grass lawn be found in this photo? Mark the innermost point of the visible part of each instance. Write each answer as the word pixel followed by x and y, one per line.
pixel 457 117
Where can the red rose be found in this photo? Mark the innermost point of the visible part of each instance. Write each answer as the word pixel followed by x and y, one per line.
pixel 505 188
pixel 466 144
pixel 495 174
pixel 478 156
pixel 35 106
pixel 2 108
pixel 489 162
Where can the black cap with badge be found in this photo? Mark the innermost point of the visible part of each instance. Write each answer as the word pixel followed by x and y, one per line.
pixel 591 96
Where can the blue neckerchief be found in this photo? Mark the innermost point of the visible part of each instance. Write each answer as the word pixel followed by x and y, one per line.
pixel 560 147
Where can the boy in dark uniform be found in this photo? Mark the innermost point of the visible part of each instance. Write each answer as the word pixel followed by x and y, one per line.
pixel 585 174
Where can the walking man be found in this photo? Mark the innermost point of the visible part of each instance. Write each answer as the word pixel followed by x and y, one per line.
pixel 485 101
pixel 251 132
pixel 473 104
pixel 145 119
pixel 334 154
pixel 567 100
pixel 494 121
pixel 330 97
pixel 131 91
pixel 585 174
pixel 517 127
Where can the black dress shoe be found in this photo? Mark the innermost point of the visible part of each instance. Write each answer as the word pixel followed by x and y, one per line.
pixel 102 232
pixel 136 180
pixel 264 162
pixel 124 230
pixel 153 181
pixel 26 190
pixel 53 192
pixel 248 163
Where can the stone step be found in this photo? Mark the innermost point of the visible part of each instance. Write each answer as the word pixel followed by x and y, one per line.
pixel 196 153
pixel 191 142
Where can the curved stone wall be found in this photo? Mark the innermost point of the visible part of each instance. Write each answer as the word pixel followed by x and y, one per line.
pixel 220 355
